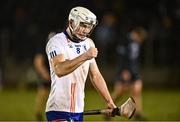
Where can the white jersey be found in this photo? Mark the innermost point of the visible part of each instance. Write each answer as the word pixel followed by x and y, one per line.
pixel 67 92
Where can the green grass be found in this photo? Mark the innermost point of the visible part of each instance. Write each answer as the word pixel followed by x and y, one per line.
pixel 159 105
pixel 17 105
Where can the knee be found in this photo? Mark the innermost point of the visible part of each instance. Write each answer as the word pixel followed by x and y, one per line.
pixel 137 89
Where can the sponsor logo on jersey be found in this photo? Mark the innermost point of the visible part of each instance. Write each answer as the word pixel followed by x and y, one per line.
pixel 70 45
pixel 77 45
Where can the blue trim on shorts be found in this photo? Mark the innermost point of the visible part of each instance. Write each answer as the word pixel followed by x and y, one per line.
pixel 59 115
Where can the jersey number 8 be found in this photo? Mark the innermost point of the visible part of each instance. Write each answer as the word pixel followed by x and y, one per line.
pixel 78 50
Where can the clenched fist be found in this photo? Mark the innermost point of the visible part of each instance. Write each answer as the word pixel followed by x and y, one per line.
pixel 91 53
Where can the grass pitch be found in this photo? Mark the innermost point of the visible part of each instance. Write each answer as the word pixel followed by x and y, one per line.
pixel 158 105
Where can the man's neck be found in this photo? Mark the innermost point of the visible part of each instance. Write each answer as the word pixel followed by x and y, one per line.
pixel 68 34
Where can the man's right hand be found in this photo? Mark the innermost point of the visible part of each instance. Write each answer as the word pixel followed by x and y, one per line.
pixel 91 53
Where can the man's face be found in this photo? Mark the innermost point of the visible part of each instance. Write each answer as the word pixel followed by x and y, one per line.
pixel 137 37
pixel 83 30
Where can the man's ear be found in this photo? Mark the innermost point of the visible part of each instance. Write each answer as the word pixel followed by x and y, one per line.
pixel 71 23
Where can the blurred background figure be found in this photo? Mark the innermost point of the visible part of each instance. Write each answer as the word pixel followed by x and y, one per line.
pixel 106 35
pixel 128 76
pixel 42 68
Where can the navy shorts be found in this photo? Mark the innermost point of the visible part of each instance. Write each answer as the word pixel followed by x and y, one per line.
pixel 135 75
pixel 64 116
pixel 45 84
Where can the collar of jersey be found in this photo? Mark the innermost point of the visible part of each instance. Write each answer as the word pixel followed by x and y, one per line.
pixel 73 40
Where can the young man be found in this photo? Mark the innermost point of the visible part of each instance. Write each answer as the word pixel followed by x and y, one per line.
pixel 71 56
pixel 128 77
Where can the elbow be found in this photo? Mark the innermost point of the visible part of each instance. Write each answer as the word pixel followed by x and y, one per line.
pixel 61 70
pixel 93 79
pixel 59 73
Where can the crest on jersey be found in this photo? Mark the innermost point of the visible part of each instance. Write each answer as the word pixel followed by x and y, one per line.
pixel 85 47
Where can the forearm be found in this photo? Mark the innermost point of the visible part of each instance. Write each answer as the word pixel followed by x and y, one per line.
pixel 45 74
pixel 40 67
pixel 100 84
pixel 68 66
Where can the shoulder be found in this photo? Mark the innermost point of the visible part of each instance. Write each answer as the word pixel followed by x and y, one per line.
pixel 56 40
pixel 90 41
